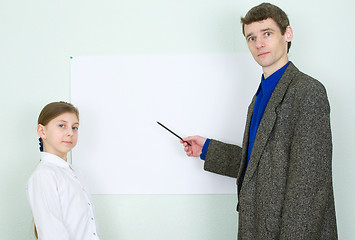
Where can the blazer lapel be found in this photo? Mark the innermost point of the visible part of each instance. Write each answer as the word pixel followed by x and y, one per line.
pixel 266 124
pixel 245 144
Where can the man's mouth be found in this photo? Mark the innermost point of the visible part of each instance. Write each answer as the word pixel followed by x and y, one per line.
pixel 263 54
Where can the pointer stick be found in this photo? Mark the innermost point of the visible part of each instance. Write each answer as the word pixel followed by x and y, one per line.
pixel 173 133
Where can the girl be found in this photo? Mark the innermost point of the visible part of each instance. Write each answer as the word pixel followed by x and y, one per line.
pixel 61 207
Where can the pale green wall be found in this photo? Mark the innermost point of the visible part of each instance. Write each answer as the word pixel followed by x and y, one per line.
pixel 38 37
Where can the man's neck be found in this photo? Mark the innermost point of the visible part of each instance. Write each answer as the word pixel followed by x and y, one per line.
pixel 268 71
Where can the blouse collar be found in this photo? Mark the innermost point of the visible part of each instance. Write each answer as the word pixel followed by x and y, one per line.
pixel 54 159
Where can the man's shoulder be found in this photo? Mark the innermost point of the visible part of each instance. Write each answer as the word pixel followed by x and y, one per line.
pixel 302 81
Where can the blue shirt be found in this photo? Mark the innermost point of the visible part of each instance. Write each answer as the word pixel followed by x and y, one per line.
pixel 263 95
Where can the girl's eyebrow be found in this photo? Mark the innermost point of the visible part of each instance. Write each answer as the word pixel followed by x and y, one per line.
pixel 61 120
pixel 67 121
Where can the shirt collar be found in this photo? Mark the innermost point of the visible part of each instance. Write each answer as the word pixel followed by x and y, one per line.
pixel 270 82
pixel 53 159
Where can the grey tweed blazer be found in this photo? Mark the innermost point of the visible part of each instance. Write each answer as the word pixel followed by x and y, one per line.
pixel 286 191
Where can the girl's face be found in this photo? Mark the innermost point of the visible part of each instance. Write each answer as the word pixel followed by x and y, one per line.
pixel 60 135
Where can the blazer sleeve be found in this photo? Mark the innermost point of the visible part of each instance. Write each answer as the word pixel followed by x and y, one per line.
pixel 309 193
pixel 223 158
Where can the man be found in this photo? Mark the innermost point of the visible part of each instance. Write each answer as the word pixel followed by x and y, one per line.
pixel 284 167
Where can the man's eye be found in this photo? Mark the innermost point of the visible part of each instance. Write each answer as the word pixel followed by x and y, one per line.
pixel 268 34
pixel 251 39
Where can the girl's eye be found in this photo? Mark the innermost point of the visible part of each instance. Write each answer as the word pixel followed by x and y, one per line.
pixel 75 128
pixel 61 125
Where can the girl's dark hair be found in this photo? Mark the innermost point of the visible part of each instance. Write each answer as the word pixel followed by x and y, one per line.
pixel 263 12
pixel 35 231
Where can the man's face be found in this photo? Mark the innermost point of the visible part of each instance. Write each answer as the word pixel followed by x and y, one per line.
pixel 267 45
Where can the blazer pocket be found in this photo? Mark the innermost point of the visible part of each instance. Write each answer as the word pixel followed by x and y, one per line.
pixel 272 223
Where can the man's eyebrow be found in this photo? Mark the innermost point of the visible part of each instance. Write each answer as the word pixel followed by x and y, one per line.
pixel 267 29
pixel 247 36
pixel 262 30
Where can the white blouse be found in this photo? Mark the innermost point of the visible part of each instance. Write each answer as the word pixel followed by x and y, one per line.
pixel 61 207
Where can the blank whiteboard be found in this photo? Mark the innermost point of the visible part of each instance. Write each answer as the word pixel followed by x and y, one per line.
pixel 121 148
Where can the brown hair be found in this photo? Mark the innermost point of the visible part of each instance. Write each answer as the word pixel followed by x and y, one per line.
pixel 35 230
pixel 54 109
pixel 265 11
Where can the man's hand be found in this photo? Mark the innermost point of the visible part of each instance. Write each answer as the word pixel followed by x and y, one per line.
pixel 195 149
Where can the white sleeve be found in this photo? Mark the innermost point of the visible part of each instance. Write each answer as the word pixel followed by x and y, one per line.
pixel 42 192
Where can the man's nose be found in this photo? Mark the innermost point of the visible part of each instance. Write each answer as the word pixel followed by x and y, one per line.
pixel 259 43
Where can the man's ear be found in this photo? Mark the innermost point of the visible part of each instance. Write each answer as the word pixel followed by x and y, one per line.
pixel 41 131
pixel 288 34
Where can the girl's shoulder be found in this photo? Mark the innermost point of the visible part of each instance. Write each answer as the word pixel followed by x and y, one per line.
pixel 46 171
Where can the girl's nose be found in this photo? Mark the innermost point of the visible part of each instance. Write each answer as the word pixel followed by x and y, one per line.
pixel 70 132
